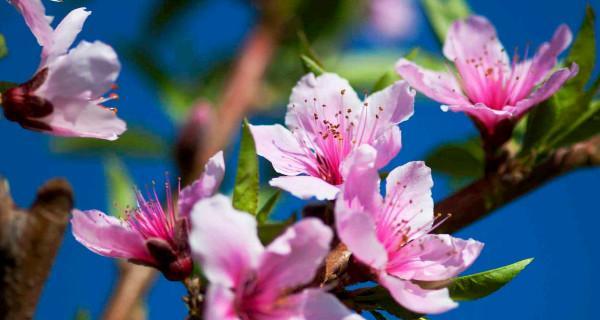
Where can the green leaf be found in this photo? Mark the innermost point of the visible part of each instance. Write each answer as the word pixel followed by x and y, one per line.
pixel 482 284
pixel 307 50
pixel 583 52
pixel 386 80
pixel 135 142
pixel 3 47
pixel 82 314
pixel 459 159
pixel 426 59
pixel 245 192
pixel 121 195
pixel 5 85
pixel 442 13
pixel 268 206
pixel 267 232
pixel 587 126
pixel 311 66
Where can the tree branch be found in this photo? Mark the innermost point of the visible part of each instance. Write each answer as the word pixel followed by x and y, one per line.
pixel 29 241
pixel 512 181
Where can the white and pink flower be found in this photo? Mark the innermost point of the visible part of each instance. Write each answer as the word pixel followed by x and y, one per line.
pixel 325 122
pixel 150 235
pixel 392 236
pixel 487 86
pixel 253 282
pixel 65 97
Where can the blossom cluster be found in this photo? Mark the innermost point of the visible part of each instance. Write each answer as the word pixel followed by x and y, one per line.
pixel 331 148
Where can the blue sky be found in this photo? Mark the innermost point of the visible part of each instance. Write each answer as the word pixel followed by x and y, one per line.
pixel 556 224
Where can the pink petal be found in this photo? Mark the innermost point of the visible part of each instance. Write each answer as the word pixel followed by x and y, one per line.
pixel 34 13
pixel 64 34
pixel 547 89
pixel 361 187
pixel 435 258
pixel 396 102
pixel 387 146
pixel 109 236
pixel 294 257
pixel 320 305
pixel 220 303
pixel 547 55
pixel 82 118
pixel 408 189
pixel 393 19
pixel 86 72
pixel 488 117
pixel 306 187
pixel 224 241
pixel 439 86
pixel 356 206
pixel 205 186
pixel 311 93
pixel 416 299
pixel 280 147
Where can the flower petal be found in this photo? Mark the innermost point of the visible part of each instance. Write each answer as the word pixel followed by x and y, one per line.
pixel 408 190
pixel 416 299
pixel 280 147
pixel 82 118
pixel 294 257
pixel 205 186
pixel 34 13
pixel 312 93
pixel 64 35
pixel 109 236
pixel 361 187
pixel 224 241
pixel 547 55
pixel 434 258
pixel 220 303
pixel 320 305
pixel 547 89
pixel 387 146
pixel 486 116
pixel 87 72
pixel 439 86
pixel 306 187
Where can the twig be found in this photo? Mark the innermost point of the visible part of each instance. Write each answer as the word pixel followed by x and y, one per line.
pixel 496 190
pixel 132 284
pixel 29 241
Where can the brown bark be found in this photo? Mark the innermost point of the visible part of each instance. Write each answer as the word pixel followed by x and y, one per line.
pixel 29 241
pixel 495 190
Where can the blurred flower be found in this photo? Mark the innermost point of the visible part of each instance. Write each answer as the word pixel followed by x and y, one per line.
pixel 393 19
pixel 194 136
pixel 487 86
pixel 249 281
pixel 150 235
pixel 391 234
pixel 326 122
pixel 66 94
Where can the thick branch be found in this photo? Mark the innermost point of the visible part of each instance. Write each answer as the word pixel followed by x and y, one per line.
pixel 29 241
pixel 498 189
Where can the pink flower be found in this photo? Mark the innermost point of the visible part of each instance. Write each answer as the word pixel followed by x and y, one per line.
pixel 252 282
pixel 150 235
pixel 393 19
pixel 65 95
pixel 487 86
pixel 391 234
pixel 326 122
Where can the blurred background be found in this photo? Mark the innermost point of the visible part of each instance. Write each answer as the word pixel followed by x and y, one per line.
pixel 176 53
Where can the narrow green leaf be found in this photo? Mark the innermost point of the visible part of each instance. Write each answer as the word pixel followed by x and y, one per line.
pixel 587 126
pixel 82 314
pixel 3 47
pixel 267 207
pixel 378 298
pixel 245 192
pixel 135 142
pixel 377 315
pixel 583 52
pixel 311 66
pixel 482 284
pixel 307 50
pixel 267 232
pixel 458 160
pixel 442 13
pixel 386 80
pixel 426 59
pixel 121 195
